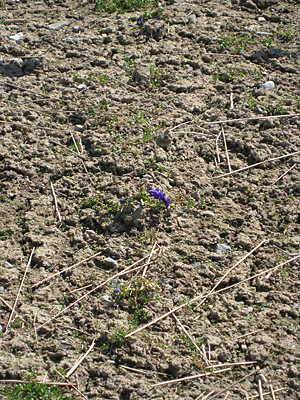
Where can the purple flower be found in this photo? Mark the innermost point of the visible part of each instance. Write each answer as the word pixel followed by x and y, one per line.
pixel 123 200
pixel 140 20
pixel 158 195
pixel 116 291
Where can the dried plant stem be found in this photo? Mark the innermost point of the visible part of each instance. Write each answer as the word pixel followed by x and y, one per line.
pixel 265 394
pixel 66 269
pixel 10 308
pixel 226 150
pixel 260 391
pixel 208 395
pixel 149 259
pixel 191 339
pixel 35 334
pixel 233 384
pixel 188 378
pixel 45 383
pixel 249 119
pixel 230 269
pixel 250 333
pixel 272 392
pixel 76 365
pixel 200 395
pixel 232 364
pixel 226 396
pixel 284 174
pixel 55 202
pixel 91 291
pixel 72 386
pixel 255 165
pixel 207 295
pixel 281 265
pixel 82 162
pixel 19 291
pixel 67 148
pixel 231 101
pixel 217 147
pixel 144 372
pixel 21 88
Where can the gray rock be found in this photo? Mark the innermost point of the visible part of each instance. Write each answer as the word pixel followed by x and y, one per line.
pixel 1 288
pixel 110 261
pixel 222 248
pixel 8 265
pixel 81 87
pixel 59 25
pixel 208 214
pixel 105 299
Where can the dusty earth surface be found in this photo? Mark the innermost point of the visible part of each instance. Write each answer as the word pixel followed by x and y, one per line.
pixel 119 86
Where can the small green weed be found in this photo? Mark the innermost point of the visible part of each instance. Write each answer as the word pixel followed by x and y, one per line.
pixel 122 6
pixel 35 391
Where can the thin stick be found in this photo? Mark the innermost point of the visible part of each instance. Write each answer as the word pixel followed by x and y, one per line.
pixel 205 296
pixel 230 269
pixel 284 174
pixel 45 377
pixel 260 391
pixel 191 339
pixel 188 378
pixel 234 384
pixel 250 333
pixel 19 291
pixel 217 147
pixel 226 150
pixel 208 395
pixel 248 119
pixel 209 354
pixel 255 165
pixel 55 202
pixel 232 364
pixel 36 338
pixel 10 308
pixel 272 392
pixel 76 365
pixel 66 269
pixel 224 55
pixel 148 262
pixel 140 371
pixel 197 133
pixel 67 148
pixel 91 291
pixel 75 144
pixel 21 88
pixel 45 383
pixel 265 394
pixel 72 386
pixel 205 397
pixel 231 101
pixel 84 166
pixel 183 123
pixel 227 394
pixel 88 286
pixel 200 395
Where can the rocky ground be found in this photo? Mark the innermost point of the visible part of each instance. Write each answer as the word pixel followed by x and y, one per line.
pixel 105 107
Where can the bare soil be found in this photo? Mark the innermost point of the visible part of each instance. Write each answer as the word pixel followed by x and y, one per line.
pixel 120 87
